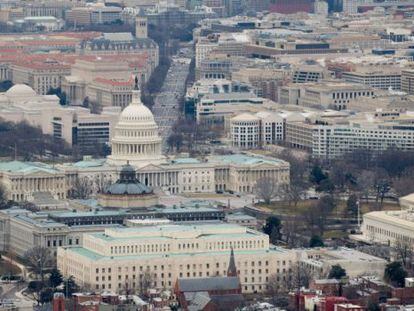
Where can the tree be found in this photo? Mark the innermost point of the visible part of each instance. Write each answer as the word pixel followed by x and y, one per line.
pixel 55 278
pixel 352 205
pixel 272 228
pixel 317 175
pixel 404 185
pixel 365 183
pixel 38 259
pixel 382 185
pixel 267 189
pixel 404 252
pixel 395 273
pixel 46 295
pixel 70 287
pixel 101 183
pixel 336 272
pixel 146 281
pixel 4 202
pixel 316 241
pixel 175 140
pixel 372 306
pixel 81 188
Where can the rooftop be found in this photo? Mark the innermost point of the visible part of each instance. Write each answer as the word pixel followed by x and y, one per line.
pixel 26 167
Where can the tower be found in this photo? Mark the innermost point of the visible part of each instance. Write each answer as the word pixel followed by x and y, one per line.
pixel 141 25
pixel 232 269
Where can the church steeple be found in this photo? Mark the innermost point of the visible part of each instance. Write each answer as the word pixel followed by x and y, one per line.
pixel 232 269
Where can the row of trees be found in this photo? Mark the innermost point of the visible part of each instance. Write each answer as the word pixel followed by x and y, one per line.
pixel 24 140
pixel 187 135
pixel 48 279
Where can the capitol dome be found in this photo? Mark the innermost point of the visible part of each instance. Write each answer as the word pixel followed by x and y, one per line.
pixel 20 90
pixel 136 138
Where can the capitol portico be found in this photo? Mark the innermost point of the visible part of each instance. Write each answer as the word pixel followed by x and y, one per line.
pixel 136 138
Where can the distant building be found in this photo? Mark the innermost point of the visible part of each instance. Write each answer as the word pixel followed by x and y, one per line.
pixel 95 14
pixel 332 137
pixel 384 78
pixel 326 94
pixel 211 293
pixel 75 125
pixel 291 6
pixel 202 251
pixel 250 131
pixel 407 81
pixel 388 227
pixel 356 263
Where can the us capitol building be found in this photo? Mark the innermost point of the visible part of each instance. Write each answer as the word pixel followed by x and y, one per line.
pixel 136 140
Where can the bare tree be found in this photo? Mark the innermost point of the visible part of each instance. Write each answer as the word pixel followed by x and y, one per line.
pixel 81 188
pixel 101 183
pixel 382 185
pixel 38 259
pixel 365 183
pixel 3 197
pixel 403 185
pixel 294 192
pixel 267 189
pixel 404 252
pixel 301 276
pixel 146 281
pixel 290 230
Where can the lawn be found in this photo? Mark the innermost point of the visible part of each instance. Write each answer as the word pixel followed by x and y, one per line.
pixel 303 206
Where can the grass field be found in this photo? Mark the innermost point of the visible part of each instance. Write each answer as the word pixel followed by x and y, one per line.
pixel 303 206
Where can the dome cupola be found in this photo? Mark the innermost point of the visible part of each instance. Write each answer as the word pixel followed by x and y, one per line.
pixel 136 138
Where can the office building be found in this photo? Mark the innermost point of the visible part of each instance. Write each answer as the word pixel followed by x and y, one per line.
pixel 109 260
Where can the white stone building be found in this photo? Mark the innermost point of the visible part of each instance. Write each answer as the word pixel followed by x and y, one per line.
pixel 249 131
pixel 110 260
pixel 356 264
pixel 387 227
pixel 136 138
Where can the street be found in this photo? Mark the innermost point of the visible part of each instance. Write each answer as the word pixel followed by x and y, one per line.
pixel 166 107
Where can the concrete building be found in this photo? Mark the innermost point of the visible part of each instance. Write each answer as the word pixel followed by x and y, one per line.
pixel 75 125
pixel 383 78
pixel 122 43
pixel 326 94
pixel 331 137
pixel 250 131
pixel 105 79
pixel 388 227
pixel 40 75
pixel 356 263
pixel 93 14
pixel 23 230
pixel 219 108
pixel 109 260
pixel 407 81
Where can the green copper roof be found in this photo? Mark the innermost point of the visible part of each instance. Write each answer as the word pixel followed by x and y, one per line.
pixel 26 167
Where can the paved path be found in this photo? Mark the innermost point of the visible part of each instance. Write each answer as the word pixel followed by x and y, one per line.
pixel 166 108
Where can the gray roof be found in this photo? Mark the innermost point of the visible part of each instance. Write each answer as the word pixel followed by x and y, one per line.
pixel 207 284
pixel 118 36
pixel 198 301
pixel 128 188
